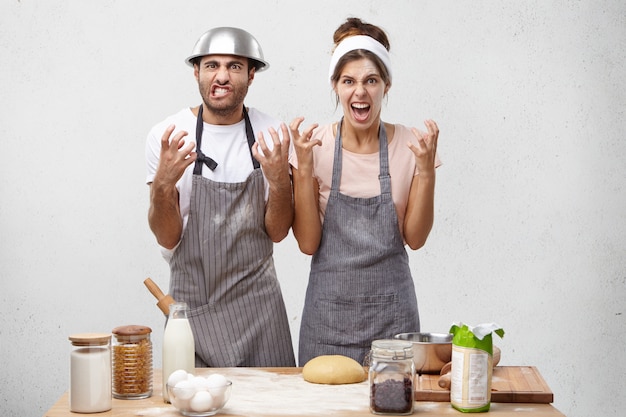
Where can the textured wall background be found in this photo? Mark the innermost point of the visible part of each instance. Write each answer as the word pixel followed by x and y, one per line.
pixel 530 225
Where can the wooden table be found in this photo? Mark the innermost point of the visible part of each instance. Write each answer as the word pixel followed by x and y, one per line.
pixel 260 392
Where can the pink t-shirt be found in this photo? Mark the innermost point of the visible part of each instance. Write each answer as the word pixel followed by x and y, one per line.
pixel 359 174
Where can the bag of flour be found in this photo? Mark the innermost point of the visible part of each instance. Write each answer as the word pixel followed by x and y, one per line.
pixel 472 366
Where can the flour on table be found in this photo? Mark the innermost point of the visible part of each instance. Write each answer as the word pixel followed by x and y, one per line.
pixel 257 392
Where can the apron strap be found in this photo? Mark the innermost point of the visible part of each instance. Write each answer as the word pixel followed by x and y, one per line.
pixel 337 162
pixel 202 158
pixel 208 161
pixel 250 136
pixel 383 177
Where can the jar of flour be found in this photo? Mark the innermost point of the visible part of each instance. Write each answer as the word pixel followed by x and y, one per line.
pixel 90 373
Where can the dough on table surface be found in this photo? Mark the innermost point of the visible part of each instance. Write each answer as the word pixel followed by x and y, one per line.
pixel 333 369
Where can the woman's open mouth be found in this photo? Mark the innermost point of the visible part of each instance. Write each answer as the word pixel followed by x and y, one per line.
pixel 360 111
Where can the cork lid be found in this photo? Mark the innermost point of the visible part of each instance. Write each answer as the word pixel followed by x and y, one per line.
pixel 132 330
pixel 86 339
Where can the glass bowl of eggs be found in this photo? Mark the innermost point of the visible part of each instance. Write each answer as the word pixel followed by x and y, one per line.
pixel 198 396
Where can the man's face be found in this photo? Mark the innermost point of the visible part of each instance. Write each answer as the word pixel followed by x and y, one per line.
pixel 223 81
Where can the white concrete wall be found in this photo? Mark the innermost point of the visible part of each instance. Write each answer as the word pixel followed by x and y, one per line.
pixel 530 227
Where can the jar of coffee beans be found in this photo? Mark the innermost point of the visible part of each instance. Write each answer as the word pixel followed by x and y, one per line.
pixel 391 377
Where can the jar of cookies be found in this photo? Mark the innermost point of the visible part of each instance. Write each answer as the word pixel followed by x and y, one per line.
pixel 391 377
pixel 132 362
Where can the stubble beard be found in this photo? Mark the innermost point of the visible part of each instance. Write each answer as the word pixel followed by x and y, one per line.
pixel 224 108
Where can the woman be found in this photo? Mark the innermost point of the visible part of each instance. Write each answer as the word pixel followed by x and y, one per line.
pixel 363 189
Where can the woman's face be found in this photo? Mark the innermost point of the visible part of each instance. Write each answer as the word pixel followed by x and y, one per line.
pixel 361 90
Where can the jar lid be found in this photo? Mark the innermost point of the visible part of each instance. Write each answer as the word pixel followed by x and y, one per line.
pixel 393 349
pixel 86 339
pixel 131 330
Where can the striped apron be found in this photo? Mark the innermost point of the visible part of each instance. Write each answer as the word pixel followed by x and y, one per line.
pixel 224 270
pixel 360 286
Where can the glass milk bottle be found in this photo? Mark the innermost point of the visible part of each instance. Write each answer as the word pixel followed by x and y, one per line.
pixel 90 373
pixel 178 344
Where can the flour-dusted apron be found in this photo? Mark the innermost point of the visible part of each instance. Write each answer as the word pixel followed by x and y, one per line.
pixel 224 270
pixel 360 286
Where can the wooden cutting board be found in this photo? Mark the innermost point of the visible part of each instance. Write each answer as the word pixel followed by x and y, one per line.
pixel 510 384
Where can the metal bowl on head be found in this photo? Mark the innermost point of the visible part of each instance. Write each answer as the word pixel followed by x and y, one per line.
pixel 229 41
pixel 431 351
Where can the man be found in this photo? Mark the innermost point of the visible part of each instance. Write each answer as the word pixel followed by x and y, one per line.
pixel 218 204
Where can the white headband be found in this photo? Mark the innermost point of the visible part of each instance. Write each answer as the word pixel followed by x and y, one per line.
pixel 359 42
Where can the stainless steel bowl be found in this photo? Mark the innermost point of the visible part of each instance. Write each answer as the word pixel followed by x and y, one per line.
pixel 229 41
pixel 430 350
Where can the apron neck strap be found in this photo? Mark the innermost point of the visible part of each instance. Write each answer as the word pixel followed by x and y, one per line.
pixel 250 136
pixel 203 159
pixel 383 176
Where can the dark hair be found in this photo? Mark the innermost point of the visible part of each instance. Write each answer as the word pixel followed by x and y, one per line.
pixel 354 26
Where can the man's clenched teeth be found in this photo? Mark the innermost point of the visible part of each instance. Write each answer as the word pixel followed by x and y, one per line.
pixel 220 91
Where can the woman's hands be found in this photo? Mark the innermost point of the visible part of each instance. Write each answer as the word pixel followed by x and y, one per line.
pixel 426 149
pixel 303 145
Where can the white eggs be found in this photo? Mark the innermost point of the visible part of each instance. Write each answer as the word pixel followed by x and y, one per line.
pixel 176 376
pixel 179 403
pixel 200 383
pixel 216 380
pixel 198 393
pixel 185 389
pixel 217 386
pixel 201 401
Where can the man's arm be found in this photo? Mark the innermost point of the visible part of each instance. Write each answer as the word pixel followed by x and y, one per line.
pixel 275 164
pixel 164 215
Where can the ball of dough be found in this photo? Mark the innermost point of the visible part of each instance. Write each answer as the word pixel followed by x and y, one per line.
pixel 333 369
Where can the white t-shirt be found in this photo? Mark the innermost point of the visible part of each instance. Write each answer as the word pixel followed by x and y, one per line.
pixel 227 145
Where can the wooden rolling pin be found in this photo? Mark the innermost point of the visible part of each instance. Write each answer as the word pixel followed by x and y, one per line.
pixel 444 379
pixel 164 301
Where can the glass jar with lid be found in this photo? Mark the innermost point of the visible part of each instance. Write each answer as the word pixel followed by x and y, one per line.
pixel 391 377
pixel 132 362
pixel 90 373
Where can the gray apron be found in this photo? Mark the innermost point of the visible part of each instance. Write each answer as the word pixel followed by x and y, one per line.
pixel 360 286
pixel 224 270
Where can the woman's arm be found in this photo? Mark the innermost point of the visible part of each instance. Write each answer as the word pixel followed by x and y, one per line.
pixel 419 216
pixel 307 226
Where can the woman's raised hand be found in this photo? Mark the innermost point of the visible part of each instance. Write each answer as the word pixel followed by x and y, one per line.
pixel 303 144
pixel 426 149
